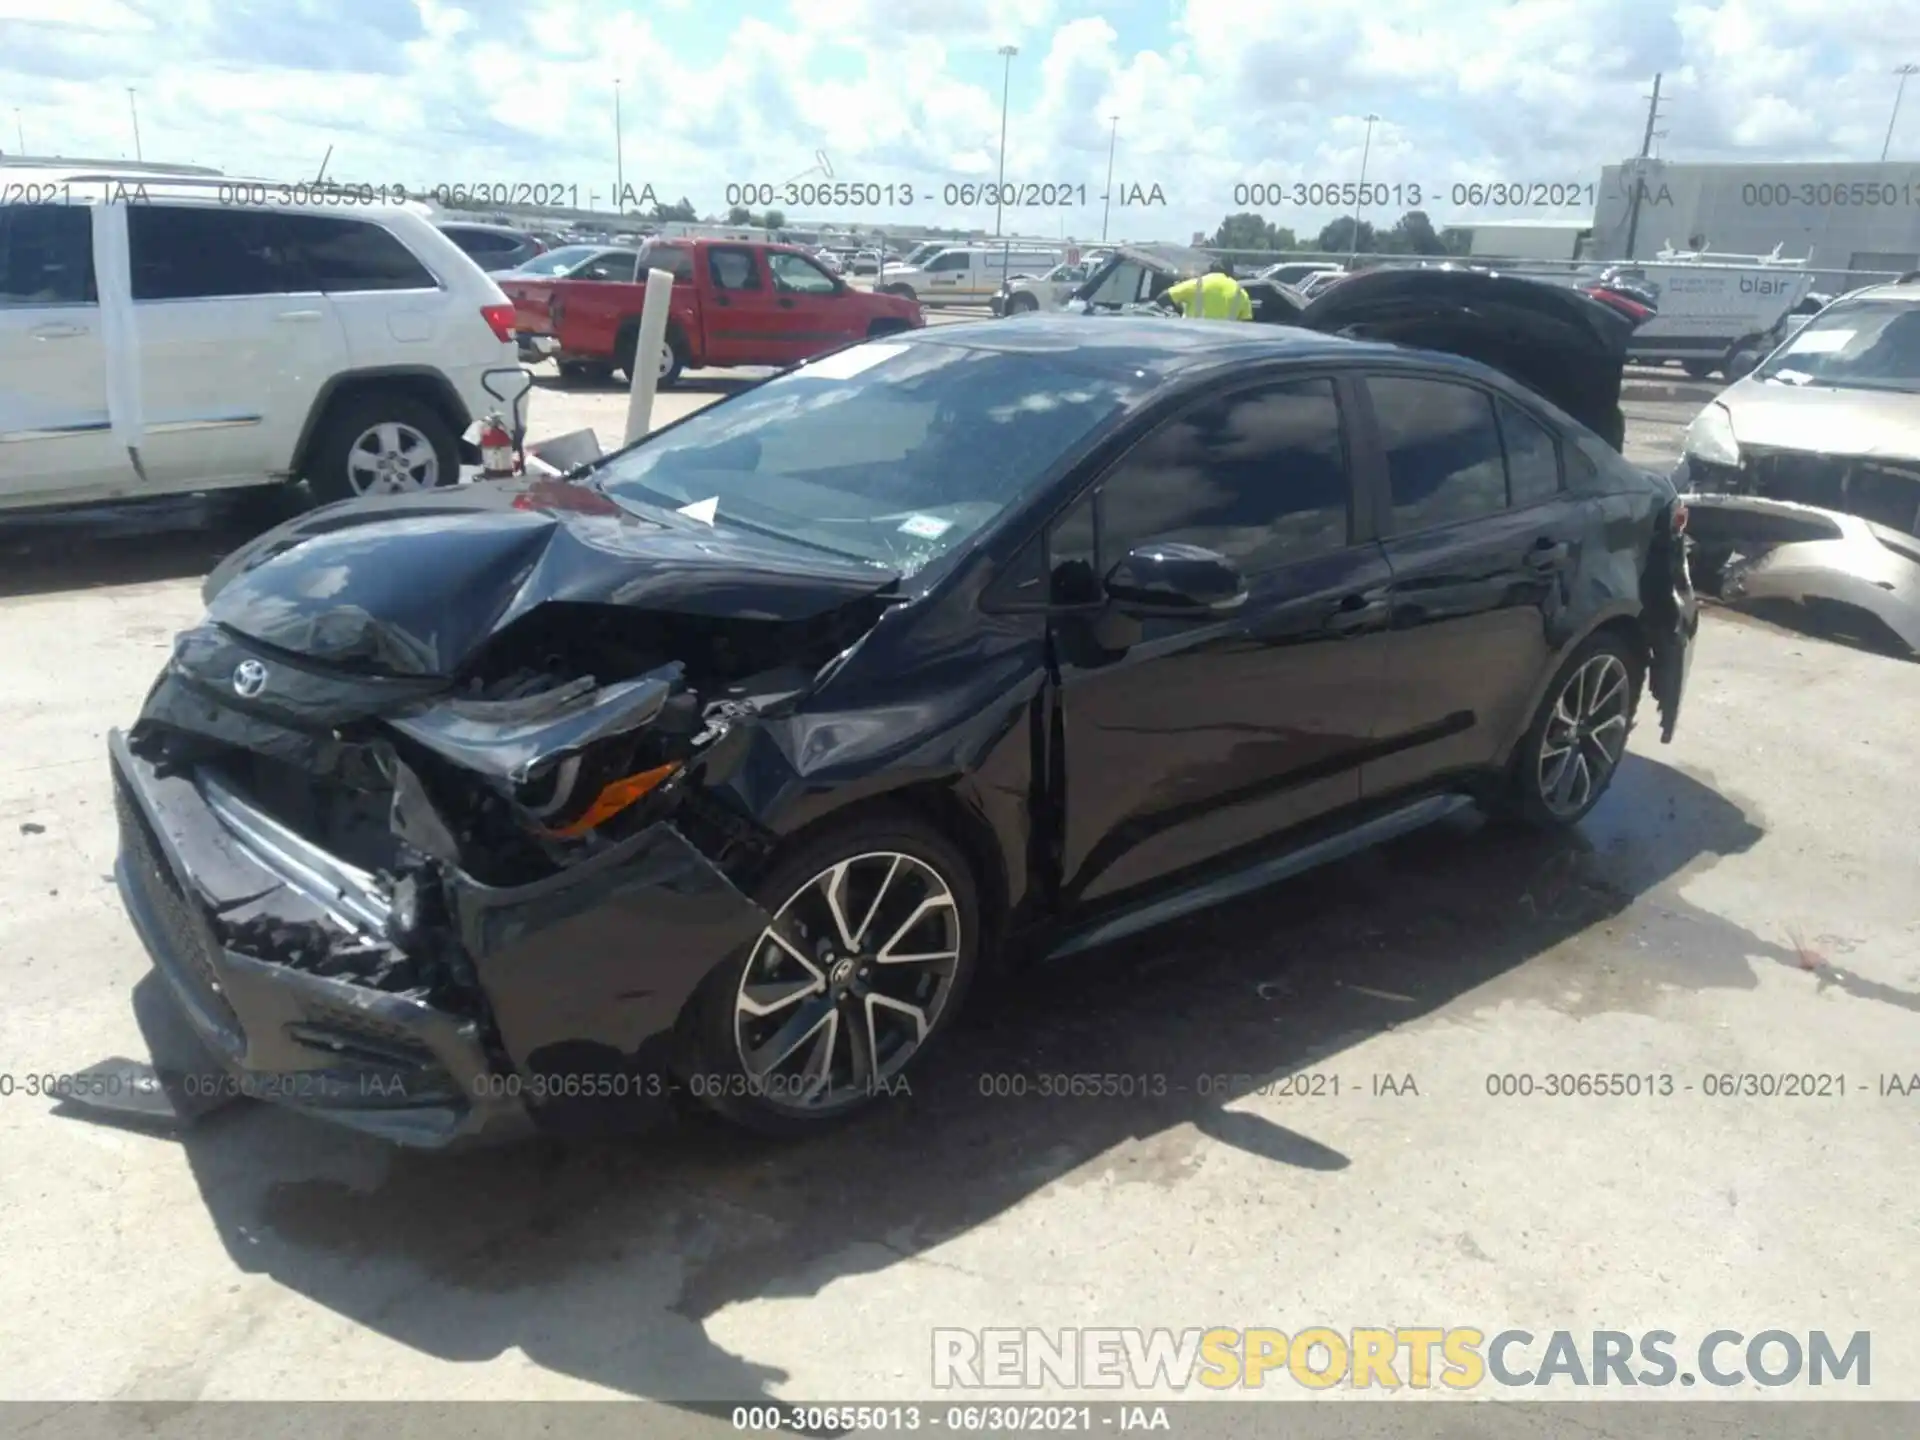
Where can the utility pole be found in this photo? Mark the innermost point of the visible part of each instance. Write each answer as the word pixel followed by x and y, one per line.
pixel 1366 148
pixel 20 132
pixel 1113 138
pixel 1903 72
pixel 134 109
pixel 1007 53
pixel 1639 175
pixel 619 166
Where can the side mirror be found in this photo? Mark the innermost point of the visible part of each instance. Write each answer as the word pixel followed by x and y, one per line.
pixel 1170 579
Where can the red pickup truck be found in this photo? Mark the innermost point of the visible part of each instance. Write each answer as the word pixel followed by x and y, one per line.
pixel 734 303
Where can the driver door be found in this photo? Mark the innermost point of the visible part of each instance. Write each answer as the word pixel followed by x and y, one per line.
pixel 1189 739
pixel 810 308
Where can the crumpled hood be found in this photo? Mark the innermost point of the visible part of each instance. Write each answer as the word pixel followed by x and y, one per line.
pixel 415 585
pixel 1826 418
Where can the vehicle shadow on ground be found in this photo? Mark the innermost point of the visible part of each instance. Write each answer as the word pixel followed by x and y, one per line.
pixel 131 544
pixel 606 1260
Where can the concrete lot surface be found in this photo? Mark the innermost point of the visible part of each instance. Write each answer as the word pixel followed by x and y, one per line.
pixel 1742 903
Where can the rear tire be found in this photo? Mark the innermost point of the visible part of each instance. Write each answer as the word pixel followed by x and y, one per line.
pixel 584 372
pixel 1022 304
pixel 904 891
pixel 905 292
pixel 674 363
pixel 381 443
pixel 1573 748
pixel 1698 369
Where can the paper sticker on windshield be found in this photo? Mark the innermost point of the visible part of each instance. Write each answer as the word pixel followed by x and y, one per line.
pixel 1820 342
pixel 701 510
pixel 925 527
pixel 845 364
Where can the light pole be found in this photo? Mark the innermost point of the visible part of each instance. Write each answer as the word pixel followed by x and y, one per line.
pixel 1006 81
pixel 20 132
pixel 1113 138
pixel 1366 148
pixel 619 164
pixel 1903 72
pixel 134 109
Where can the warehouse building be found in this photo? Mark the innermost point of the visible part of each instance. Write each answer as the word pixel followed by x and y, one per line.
pixel 1861 223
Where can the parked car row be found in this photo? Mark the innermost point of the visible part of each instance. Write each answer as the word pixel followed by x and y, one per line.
pixel 730 763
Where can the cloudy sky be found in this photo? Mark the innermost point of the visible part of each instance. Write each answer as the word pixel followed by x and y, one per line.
pixel 1210 94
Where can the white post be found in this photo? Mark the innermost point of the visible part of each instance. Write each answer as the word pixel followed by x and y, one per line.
pixel 647 354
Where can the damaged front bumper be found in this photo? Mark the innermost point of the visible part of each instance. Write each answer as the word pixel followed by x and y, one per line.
pixel 578 978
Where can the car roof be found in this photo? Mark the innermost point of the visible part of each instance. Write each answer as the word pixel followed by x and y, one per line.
pixel 88 184
pixel 1908 290
pixel 491 229
pixel 1162 347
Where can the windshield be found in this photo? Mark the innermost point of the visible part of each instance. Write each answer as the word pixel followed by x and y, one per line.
pixel 892 453
pixel 556 262
pixel 1860 344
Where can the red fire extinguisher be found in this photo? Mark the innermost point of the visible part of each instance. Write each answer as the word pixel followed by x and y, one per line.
pixel 496 449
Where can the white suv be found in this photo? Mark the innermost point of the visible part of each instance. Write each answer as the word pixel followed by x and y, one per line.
pixel 170 333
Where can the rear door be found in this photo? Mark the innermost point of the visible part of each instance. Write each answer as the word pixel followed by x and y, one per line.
pixel 813 311
pixel 56 440
pixel 745 325
pixel 235 342
pixel 1189 739
pixel 1482 537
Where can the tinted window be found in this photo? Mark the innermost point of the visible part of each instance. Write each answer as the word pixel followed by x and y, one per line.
pixel 615 267
pixel 1443 451
pixel 791 272
pixel 1533 460
pixel 952 260
pixel 46 255
pixel 187 252
pixel 676 260
pixel 483 242
pixel 340 256
pixel 1075 563
pixel 733 269
pixel 1260 477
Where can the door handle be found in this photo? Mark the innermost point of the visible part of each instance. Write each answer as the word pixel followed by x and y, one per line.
pixel 721 300
pixel 1357 612
pixel 786 304
pixel 57 332
pixel 297 317
pixel 1548 554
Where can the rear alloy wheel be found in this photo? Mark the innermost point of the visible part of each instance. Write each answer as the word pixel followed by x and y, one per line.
pixel 1574 746
pixel 871 950
pixel 382 445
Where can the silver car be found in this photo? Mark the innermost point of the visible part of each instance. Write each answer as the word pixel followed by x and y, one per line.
pixel 1803 479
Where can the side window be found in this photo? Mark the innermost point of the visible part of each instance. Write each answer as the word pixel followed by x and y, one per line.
pixel 1533 460
pixel 202 252
pixel 46 255
pixel 484 242
pixel 952 260
pixel 800 276
pixel 619 268
pixel 1260 477
pixel 676 260
pixel 1073 558
pixel 342 256
pixel 1444 461
pixel 732 269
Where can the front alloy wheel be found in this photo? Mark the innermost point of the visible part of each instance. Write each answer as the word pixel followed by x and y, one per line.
pixel 847 983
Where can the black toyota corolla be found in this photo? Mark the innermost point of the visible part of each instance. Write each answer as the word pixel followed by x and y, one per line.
pixel 726 766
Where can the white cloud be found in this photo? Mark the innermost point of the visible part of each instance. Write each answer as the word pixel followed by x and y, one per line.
pixel 1210 93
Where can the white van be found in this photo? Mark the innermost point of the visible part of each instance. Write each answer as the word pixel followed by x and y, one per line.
pixel 968 274
pixel 1711 306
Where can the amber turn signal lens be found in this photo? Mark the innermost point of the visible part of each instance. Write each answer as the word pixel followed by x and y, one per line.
pixel 616 797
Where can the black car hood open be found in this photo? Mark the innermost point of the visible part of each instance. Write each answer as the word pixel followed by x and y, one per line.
pixel 415 585
pixel 1558 342
pixel 1565 345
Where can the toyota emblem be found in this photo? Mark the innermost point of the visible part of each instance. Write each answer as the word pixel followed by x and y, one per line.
pixel 249 679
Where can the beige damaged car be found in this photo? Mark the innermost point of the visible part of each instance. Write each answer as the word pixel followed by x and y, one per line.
pixel 1803 480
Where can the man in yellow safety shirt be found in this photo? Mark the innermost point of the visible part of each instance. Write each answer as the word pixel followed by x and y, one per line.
pixel 1215 295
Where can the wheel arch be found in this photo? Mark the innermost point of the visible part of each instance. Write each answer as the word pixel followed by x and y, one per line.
pixel 421 382
pixel 1622 618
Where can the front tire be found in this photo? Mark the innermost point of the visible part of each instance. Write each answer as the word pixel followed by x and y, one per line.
pixel 1022 304
pixel 873 946
pixel 1573 748
pixel 381 444
pixel 1697 369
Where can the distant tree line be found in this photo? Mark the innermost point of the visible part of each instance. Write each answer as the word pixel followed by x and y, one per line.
pixel 1411 234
